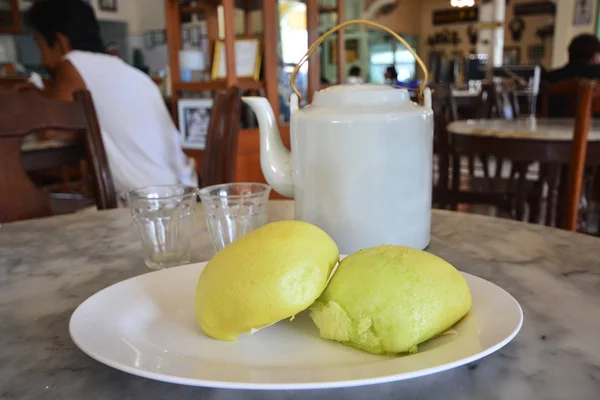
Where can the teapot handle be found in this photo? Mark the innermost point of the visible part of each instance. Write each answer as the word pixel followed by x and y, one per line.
pixel 320 40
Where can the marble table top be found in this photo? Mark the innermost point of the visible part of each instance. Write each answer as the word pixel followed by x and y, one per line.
pixel 539 129
pixel 49 266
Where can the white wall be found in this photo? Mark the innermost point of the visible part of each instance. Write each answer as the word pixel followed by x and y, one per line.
pixel 148 15
pixel 565 31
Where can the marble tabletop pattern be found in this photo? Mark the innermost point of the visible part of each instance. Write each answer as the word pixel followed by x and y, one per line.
pixel 539 129
pixel 49 266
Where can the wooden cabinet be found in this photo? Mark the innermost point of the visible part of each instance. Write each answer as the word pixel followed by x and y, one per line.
pixel 208 11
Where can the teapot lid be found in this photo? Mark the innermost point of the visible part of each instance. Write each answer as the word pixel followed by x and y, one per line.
pixel 365 94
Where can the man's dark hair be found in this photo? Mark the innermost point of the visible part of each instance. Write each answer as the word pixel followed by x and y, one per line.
pixel 583 48
pixel 391 71
pixel 354 71
pixel 75 19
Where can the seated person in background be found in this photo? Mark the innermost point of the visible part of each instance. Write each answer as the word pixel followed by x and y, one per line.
pixel 584 56
pixel 354 75
pixel 391 76
pixel 141 141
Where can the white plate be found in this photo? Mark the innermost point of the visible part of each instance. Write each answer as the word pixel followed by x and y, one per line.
pixel 146 326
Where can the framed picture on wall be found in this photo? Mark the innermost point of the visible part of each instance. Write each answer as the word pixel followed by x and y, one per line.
pixel 457 55
pixel 536 53
pixel 10 17
pixel 351 51
pixel 108 5
pixel 160 37
pixel 194 119
pixel 149 40
pixel 248 58
pixel 195 36
pixel 512 55
pixel 185 35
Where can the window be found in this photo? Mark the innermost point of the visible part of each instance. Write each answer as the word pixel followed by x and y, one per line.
pixel 386 51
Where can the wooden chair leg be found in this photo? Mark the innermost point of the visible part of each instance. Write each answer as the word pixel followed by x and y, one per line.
pixel 472 165
pixel 552 203
pixel 443 169
pixel 536 197
pixel 453 203
pixel 65 184
pixel 520 192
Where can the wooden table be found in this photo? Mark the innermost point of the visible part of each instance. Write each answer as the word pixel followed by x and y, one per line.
pixel 49 266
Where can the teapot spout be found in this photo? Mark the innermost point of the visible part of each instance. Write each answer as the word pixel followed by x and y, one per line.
pixel 275 158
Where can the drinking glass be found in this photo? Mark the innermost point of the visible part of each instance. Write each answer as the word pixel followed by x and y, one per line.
pixel 234 209
pixel 164 217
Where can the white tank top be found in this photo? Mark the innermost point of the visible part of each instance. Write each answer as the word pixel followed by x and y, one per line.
pixel 142 143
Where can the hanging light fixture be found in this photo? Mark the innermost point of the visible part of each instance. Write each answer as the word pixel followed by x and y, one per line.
pixel 462 3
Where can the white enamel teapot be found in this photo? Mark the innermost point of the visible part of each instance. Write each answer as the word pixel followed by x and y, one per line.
pixel 361 161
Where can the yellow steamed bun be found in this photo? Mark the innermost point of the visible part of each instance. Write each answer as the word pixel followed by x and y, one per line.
pixel 388 299
pixel 270 274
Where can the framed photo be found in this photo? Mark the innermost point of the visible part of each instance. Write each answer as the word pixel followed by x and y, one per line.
pixel 159 37
pixel 149 40
pixel 194 119
pixel 457 55
pixel 248 58
pixel 512 55
pixel 536 53
pixel 108 5
pixel 351 51
pixel 582 14
pixel 10 17
pixel 185 35
pixel 195 36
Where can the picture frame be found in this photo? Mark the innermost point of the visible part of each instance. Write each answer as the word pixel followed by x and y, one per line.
pixel 248 58
pixel 185 35
pixel 194 120
pixel 159 37
pixel 512 55
pixel 10 16
pixel 108 5
pixel 195 36
pixel 457 55
pixel 351 51
pixel 149 40
pixel 536 53
pixel 582 12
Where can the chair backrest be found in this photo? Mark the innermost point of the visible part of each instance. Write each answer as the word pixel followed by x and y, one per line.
pixel 22 114
pixel 222 137
pixel 497 100
pixel 576 96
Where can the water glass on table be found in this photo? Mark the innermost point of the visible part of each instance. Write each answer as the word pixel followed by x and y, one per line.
pixel 234 209
pixel 164 217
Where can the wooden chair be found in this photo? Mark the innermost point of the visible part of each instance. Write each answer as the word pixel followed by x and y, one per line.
pixel 444 112
pixel 22 114
pixel 495 100
pixel 574 98
pixel 218 164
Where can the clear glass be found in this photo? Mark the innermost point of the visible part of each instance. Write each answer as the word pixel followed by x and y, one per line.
pixel 164 217
pixel 234 209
